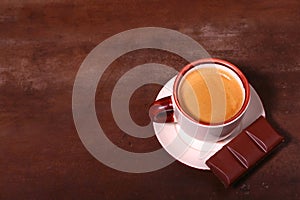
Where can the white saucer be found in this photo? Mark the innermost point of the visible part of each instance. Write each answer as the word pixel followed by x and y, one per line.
pixel 193 152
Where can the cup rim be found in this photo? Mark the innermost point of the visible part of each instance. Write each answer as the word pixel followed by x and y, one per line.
pixel 224 63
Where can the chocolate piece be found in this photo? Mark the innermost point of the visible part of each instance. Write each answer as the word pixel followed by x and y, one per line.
pixel 244 151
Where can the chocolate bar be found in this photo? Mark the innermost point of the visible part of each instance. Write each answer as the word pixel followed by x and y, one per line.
pixel 244 151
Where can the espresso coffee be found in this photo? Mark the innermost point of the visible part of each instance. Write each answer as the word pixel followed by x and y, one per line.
pixel 210 95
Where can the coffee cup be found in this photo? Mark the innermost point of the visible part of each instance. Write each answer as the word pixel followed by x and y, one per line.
pixel 209 99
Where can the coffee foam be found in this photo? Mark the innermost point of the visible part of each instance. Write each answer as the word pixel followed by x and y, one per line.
pixel 211 93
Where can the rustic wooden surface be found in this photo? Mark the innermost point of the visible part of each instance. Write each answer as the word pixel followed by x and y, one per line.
pixel 42 45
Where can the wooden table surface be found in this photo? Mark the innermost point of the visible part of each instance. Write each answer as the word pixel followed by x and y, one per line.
pixel 42 45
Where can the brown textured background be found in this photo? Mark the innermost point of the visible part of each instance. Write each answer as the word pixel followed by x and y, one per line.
pixel 43 43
